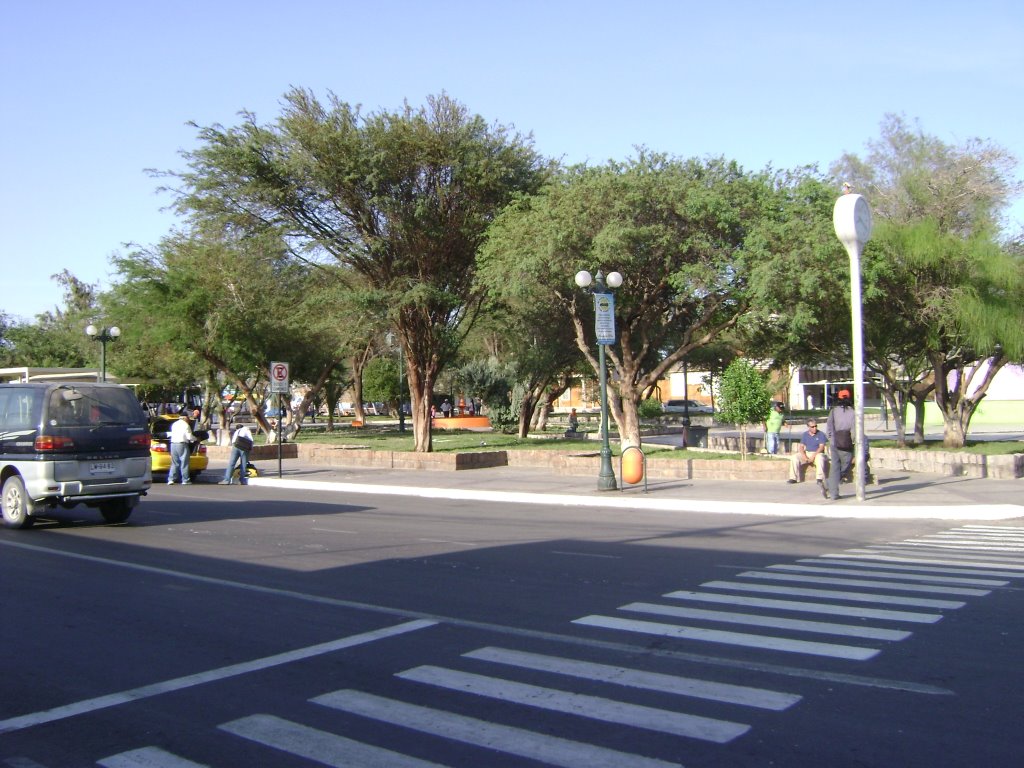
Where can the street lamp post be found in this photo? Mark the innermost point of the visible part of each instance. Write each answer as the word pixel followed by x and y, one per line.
pixel 852 220
pixel 102 335
pixel 392 339
pixel 604 323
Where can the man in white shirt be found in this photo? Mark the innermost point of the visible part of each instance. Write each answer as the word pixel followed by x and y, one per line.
pixel 181 439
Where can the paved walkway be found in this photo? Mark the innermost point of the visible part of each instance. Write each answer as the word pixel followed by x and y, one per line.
pixel 896 495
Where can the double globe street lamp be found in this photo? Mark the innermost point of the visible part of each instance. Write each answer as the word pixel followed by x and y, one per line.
pixel 102 335
pixel 604 324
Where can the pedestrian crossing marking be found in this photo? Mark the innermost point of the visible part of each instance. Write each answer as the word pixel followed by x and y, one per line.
pixel 321 746
pixel 774 622
pixel 148 757
pixel 550 750
pixel 857 597
pixel 633 678
pixel 592 707
pixel 766 642
pixel 831 609
pixel 964 591
pixel 893 574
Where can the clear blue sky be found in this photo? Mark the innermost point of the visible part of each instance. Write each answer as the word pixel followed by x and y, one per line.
pixel 95 92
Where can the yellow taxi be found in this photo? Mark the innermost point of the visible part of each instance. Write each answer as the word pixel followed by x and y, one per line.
pixel 160 447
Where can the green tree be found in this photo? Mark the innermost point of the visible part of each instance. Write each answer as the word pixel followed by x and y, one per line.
pixel 744 397
pixel 402 199
pixel 683 234
pixel 941 295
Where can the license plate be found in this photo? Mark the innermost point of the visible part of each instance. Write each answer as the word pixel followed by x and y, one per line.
pixel 102 468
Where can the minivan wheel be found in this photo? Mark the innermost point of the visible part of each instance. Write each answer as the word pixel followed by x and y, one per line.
pixel 116 511
pixel 16 504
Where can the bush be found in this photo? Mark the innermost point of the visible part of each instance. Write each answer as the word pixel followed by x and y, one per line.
pixel 649 408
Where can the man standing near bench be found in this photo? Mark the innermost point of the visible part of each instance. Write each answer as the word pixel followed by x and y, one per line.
pixel 810 450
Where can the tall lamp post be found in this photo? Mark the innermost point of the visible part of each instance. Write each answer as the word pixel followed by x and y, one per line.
pixel 604 323
pixel 102 335
pixel 392 340
pixel 852 220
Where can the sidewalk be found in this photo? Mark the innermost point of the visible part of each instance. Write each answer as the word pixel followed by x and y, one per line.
pixel 897 495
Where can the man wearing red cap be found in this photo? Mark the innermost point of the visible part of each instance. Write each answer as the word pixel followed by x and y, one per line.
pixel 839 431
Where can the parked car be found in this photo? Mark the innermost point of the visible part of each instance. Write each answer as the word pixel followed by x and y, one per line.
pixel 160 449
pixel 682 406
pixel 65 444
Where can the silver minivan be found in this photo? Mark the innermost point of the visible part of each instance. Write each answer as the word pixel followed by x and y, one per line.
pixel 65 444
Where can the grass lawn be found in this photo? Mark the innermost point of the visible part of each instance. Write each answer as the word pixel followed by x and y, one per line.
pixel 388 438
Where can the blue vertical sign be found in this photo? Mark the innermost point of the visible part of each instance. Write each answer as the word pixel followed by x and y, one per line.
pixel 604 317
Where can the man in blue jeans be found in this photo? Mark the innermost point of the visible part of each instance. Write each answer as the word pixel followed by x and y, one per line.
pixel 241 444
pixel 181 439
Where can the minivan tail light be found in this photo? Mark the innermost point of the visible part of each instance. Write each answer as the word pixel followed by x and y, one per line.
pixel 140 441
pixel 53 443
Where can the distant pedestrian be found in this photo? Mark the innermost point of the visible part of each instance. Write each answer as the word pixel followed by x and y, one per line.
pixel 773 427
pixel 446 408
pixel 241 444
pixel 574 421
pixel 839 431
pixel 181 438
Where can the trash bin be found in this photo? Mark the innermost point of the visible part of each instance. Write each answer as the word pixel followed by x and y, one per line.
pixel 696 437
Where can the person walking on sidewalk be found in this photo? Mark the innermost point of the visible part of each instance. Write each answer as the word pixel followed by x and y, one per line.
pixel 839 431
pixel 810 450
pixel 181 439
pixel 773 428
pixel 241 444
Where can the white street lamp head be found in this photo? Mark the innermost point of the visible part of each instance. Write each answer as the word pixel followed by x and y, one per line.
pixel 115 332
pixel 852 220
pixel 584 278
pixel 614 280
pixel 91 330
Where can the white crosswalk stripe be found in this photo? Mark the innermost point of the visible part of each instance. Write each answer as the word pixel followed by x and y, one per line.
pixel 764 642
pixel 891 585
pixel 890 564
pixel 593 707
pixel 633 678
pixel 551 750
pixel 148 757
pixel 830 609
pixel 892 574
pixel 896 555
pixel 858 597
pixel 326 748
pixel 757 620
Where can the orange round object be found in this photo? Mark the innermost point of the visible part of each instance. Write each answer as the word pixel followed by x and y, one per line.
pixel 632 465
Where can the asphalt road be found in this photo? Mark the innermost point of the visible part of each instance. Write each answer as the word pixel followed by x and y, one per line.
pixel 230 626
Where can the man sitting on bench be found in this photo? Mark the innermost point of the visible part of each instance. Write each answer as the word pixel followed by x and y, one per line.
pixel 810 450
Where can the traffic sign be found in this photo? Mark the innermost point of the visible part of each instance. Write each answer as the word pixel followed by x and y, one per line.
pixel 279 378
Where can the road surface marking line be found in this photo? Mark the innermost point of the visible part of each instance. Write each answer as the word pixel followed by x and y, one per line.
pixel 892 574
pixel 550 750
pixel 743 695
pixel 830 609
pixel 323 747
pixel 592 707
pixel 201 678
pixel 925 568
pixel 766 642
pixel 774 622
pixel 148 757
pixel 901 586
pixel 897 555
pixel 859 597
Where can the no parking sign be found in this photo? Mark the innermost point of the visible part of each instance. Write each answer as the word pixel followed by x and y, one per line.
pixel 279 378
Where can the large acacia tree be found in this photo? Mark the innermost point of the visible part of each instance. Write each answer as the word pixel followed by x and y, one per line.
pixel 401 198
pixel 942 309
pixel 684 234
